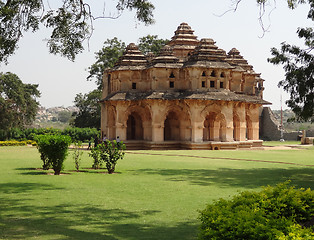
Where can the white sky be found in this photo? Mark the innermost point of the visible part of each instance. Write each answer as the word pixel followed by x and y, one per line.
pixel 60 79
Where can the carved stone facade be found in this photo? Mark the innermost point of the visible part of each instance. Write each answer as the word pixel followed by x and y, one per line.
pixel 193 95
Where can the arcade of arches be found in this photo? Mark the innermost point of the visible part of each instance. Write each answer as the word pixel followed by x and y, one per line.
pixel 182 121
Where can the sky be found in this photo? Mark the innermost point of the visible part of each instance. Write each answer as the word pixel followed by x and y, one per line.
pixel 60 79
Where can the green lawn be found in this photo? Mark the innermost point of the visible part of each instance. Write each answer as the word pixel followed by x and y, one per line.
pixel 154 195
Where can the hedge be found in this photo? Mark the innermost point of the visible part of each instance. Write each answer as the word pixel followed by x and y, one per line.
pixel 17 143
pixel 76 134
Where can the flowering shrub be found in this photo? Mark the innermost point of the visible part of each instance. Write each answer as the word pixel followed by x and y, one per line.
pixel 17 143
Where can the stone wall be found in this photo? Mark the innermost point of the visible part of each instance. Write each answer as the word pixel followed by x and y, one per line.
pixel 270 128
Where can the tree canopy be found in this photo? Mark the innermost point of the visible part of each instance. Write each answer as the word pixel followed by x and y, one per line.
pixel 105 58
pixel 71 22
pixel 298 63
pixel 18 105
pixel 88 114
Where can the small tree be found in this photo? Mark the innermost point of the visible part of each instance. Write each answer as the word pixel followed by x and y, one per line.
pixel 110 153
pixel 77 154
pixel 53 149
pixel 95 154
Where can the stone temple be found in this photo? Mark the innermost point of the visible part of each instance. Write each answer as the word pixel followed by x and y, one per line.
pixel 192 96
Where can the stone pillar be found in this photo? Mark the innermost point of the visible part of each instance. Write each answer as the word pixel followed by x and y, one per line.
pixel 121 131
pixel 157 132
pixel 242 131
pixel 197 132
pixel 255 131
pixel 215 131
pixel 229 132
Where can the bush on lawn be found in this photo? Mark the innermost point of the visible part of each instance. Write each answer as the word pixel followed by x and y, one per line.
pixel 108 153
pixel 53 150
pixel 95 154
pixel 275 213
pixel 77 154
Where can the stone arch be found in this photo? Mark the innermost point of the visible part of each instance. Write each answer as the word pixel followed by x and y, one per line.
pixel 236 127
pixel 111 123
pixel 138 122
pixel 135 129
pixel 177 124
pixel 172 127
pixel 214 124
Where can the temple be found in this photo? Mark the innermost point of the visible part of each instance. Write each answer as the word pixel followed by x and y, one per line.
pixel 193 95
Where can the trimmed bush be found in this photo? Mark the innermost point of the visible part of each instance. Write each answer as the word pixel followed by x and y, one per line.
pixel 275 213
pixel 53 150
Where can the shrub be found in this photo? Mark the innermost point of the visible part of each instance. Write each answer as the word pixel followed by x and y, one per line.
pixel 95 154
pixel 77 154
pixel 53 150
pixel 274 213
pixel 110 153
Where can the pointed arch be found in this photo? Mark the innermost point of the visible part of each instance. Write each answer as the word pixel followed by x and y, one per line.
pixel 134 127
pixel 138 122
pixel 177 123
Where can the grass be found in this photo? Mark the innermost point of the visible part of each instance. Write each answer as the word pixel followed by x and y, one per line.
pixel 154 195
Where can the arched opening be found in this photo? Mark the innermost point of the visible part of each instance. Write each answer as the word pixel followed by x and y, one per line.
pixel 172 127
pixel 214 127
pixel 134 127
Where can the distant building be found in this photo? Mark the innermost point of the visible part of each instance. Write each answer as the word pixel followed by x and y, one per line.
pixel 192 96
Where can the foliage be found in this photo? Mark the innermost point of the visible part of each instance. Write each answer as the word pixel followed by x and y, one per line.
pixel 17 143
pixel 88 114
pixel 105 58
pixel 151 43
pixel 298 63
pixel 53 150
pixel 77 134
pixel 110 153
pixel 77 154
pixel 95 154
pixel 18 105
pixel 71 23
pixel 64 116
pixel 274 213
